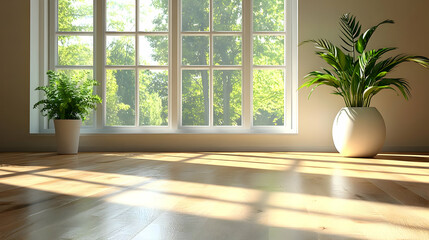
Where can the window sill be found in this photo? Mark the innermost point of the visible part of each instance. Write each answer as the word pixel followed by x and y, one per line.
pixel 182 130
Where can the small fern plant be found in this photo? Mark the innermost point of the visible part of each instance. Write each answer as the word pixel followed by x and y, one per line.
pixel 67 97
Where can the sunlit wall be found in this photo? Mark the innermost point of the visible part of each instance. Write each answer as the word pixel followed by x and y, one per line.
pixel 406 121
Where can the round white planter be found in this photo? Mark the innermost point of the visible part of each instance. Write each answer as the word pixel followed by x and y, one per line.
pixel 67 133
pixel 359 131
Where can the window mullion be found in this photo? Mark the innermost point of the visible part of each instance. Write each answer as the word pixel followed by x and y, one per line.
pixel 136 43
pixel 53 36
pixel 75 33
pixel 99 41
pixel 247 65
pixel 211 100
pixel 174 77
pixel 52 48
pixel 73 67
pixel 292 64
pixel 287 76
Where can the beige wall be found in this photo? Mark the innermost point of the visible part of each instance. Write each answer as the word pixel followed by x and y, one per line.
pixel 407 121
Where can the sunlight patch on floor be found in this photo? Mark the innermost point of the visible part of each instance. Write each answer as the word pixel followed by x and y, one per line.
pixel 335 214
pixel 291 210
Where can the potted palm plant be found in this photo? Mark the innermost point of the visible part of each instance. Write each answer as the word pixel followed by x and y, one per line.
pixel 68 100
pixel 357 75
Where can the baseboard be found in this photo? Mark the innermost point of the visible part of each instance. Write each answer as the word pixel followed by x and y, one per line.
pixel 213 149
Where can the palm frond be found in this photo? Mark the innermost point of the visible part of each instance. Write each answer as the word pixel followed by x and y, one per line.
pixel 366 36
pixel 368 60
pixel 391 63
pixel 399 83
pixel 351 29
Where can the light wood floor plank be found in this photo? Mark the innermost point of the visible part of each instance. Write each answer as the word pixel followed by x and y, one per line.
pixel 213 195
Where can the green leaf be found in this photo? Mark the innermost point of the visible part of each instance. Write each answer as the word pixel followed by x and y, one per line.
pixel 366 36
pixel 381 75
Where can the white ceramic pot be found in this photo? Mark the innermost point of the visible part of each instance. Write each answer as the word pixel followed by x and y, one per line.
pixel 67 133
pixel 359 131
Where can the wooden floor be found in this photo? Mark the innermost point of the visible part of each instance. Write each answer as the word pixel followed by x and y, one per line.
pixel 220 195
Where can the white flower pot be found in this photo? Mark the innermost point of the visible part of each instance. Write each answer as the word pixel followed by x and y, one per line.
pixel 67 133
pixel 359 131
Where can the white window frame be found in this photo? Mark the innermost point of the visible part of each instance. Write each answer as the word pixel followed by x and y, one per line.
pixel 174 71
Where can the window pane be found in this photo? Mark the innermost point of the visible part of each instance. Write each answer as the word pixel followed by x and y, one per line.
pixel 153 50
pixel 268 15
pixel 195 97
pixel 268 50
pixel 120 50
pixel 227 15
pixel 120 97
pixel 268 97
pixel 75 15
pixel 81 74
pixel 227 97
pixel 195 50
pixel 227 50
pixel 153 97
pixel 120 15
pixel 153 16
pixel 195 15
pixel 75 50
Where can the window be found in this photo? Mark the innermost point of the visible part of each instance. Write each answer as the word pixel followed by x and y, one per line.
pixel 197 66
pixel 211 63
pixel 269 64
pixel 136 63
